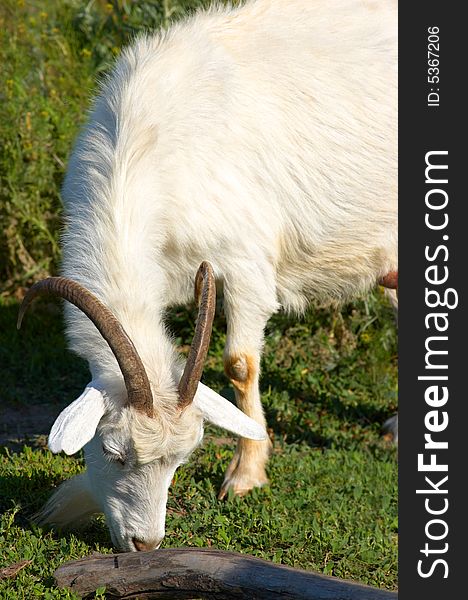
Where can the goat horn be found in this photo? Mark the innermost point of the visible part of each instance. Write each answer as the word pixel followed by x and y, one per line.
pixel 133 371
pixel 205 292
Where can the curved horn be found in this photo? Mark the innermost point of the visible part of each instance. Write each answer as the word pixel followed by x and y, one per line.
pixel 133 371
pixel 205 292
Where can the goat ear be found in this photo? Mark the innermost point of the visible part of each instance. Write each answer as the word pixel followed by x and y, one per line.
pixel 76 425
pixel 221 412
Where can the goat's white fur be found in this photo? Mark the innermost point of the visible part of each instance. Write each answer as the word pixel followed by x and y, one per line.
pixel 261 139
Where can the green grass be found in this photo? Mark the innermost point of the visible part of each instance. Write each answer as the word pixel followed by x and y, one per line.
pixel 328 380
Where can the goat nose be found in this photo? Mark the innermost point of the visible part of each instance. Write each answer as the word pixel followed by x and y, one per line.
pixel 145 546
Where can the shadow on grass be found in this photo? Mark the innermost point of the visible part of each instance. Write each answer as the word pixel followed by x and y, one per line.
pixel 35 365
pixel 308 411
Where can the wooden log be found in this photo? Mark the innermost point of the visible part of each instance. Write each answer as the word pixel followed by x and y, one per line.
pixel 203 573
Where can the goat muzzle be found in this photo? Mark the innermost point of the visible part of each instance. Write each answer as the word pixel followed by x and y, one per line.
pixel 141 546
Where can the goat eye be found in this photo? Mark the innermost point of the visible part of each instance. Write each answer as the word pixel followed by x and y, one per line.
pixel 113 456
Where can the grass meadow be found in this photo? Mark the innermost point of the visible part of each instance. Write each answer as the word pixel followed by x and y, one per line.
pixel 329 380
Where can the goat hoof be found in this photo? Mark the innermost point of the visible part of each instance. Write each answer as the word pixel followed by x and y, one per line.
pixel 241 485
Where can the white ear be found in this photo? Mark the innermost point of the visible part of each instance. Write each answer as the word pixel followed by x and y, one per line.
pixel 221 412
pixel 76 425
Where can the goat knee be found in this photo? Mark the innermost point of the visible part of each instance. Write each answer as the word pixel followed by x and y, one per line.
pixel 241 370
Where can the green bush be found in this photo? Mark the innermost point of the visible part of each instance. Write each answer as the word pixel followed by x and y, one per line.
pixel 52 54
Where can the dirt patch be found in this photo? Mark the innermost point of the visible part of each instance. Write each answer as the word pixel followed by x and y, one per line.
pixel 20 425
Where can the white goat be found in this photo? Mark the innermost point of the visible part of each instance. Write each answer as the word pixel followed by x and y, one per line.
pixel 261 139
